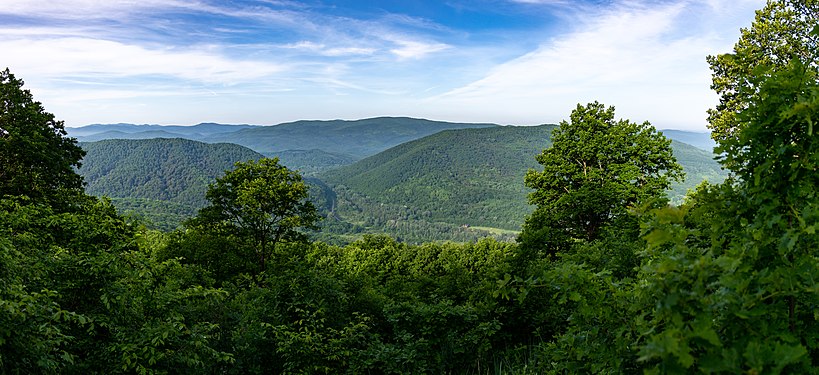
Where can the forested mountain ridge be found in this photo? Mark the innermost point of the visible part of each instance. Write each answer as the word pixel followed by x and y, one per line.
pixel 178 171
pixel 309 146
pixel 427 189
pixel 466 177
pixel 461 177
pixel 313 146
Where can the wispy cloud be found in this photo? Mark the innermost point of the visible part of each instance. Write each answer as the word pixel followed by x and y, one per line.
pixel 408 49
pixel 645 60
pixel 102 58
pixel 513 61
pixel 325 50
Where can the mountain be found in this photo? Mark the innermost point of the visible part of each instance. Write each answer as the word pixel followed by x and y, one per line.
pixel 467 177
pixel 456 184
pixel 312 146
pixel 139 173
pixel 97 132
pixel 699 140
pixel 308 146
pixel 357 139
pixel 698 164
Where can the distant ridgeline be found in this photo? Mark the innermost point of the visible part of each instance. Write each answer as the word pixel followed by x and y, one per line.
pixel 418 180
pixel 309 146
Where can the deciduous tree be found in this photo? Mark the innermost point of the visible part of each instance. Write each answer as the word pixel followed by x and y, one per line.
pixel 783 30
pixel 262 202
pixel 36 158
pixel 595 171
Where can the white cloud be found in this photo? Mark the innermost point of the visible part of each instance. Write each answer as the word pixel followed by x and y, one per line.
pixel 131 57
pixel 71 57
pixel 324 50
pixel 88 9
pixel 648 61
pixel 408 49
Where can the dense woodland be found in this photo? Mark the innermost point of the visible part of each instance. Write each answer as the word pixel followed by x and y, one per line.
pixel 606 275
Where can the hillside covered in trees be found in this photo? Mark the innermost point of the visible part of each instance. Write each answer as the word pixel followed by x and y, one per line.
pixel 309 146
pixel 458 185
pixel 162 180
pixel 606 276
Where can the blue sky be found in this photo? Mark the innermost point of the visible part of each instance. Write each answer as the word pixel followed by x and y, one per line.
pixel 516 62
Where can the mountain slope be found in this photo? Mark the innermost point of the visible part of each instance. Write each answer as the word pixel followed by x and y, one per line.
pixel 470 176
pixel 168 170
pixel 308 146
pixel 465 177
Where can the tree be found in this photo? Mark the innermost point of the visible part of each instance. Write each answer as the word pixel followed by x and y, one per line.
pixel 595 171
pixel 736 267
pixel 262 202
pixel 36 157
pixel 782 31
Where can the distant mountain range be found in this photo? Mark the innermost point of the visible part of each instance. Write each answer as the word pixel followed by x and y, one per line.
pixel 309 146
pixel 98 132
pixel 458 183
pixel 313 146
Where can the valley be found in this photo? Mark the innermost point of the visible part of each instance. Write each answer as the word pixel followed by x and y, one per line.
pixel 416 180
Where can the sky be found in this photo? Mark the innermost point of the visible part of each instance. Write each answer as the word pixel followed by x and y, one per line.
pixel 510 62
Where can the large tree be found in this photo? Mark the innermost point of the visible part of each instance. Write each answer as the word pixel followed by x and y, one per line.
pixel 783 30
pixel 36 157
pixel 262 203
pixel 595 171
pixel 735 267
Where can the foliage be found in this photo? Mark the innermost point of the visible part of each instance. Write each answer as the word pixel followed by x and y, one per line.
pixel 756 310
pixel 36 160
pixel 262 203
pixel 783 30
pixel 596 169
pixel 154 214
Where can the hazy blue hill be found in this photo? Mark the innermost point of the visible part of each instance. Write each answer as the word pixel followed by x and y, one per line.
pixel 118 131
pixel 699 140
pixel 356 139
pixel 115 134
pixel 468 176
pixel 170 170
